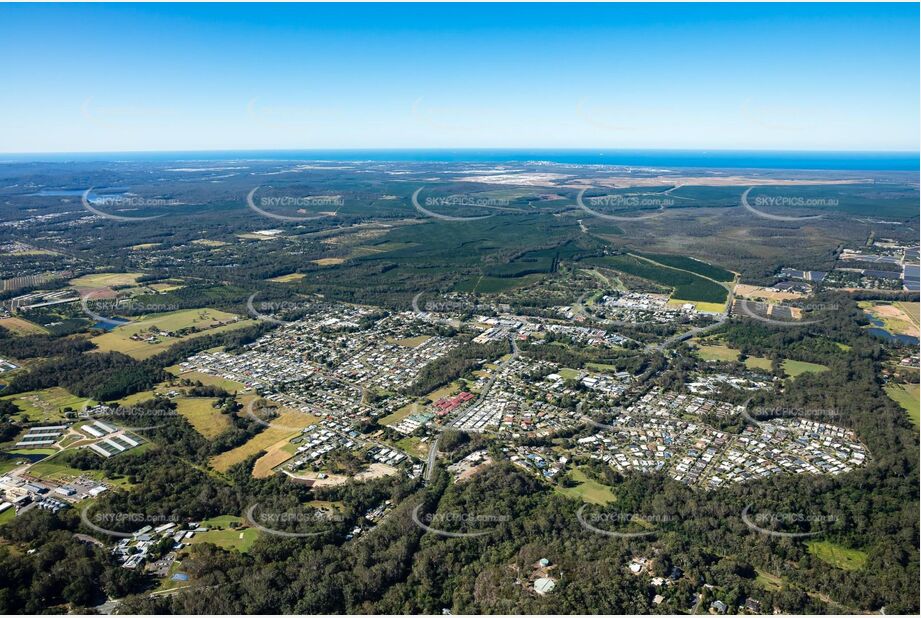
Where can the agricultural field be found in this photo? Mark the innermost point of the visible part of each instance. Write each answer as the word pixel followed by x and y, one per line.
pixel 695 266
pixel 570 374
pixel 686 286
pixel 48 404
pixel 7 516
pixel 768 581
pixel 587 490
pixel 287 425
pixel 492 285
pixel 758 362
pixel 164 287
pixel 699 305
pixel 51 470
pixel 275 455
pixel 413 445
pixel 838 556
pixel 907 396
pixel 203 321
pixel 911 310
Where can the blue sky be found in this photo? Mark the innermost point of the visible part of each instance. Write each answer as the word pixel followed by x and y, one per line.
pixel 212 77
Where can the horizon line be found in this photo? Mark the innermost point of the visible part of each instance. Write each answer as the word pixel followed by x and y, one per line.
pixel 601 150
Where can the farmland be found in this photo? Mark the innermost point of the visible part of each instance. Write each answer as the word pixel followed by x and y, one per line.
pixel 285 426
pixel 200 321
pixel 695 266
pixel 686 286
pixel 48 404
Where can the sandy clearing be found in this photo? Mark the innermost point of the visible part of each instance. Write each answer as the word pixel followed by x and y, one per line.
pixel 755 292
pixel 374 471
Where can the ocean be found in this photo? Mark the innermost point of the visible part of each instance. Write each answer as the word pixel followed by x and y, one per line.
pixel 743 159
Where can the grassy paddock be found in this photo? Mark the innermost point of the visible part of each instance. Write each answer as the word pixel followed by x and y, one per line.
pixel 906 395
pixel 587 490
pixel 795 368
pixel 838 556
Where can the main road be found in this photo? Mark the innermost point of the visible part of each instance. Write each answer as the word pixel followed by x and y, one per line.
pixel 433 449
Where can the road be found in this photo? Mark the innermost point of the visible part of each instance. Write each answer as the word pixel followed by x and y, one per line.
pixel 730 288
pixel 433 449
pixel 485 391
pixel 430 460
pixel 697 330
